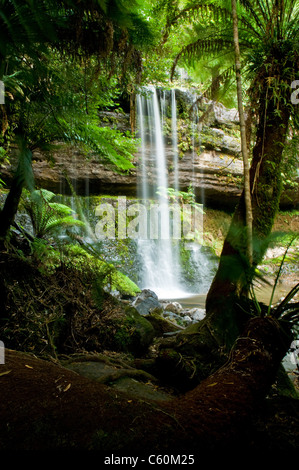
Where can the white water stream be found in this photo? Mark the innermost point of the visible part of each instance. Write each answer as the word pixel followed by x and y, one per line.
pixel 161 267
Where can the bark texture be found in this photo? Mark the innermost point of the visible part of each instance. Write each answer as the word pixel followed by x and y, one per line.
pixel 234 273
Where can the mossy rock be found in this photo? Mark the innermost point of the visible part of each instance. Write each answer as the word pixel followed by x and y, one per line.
pixel 110 276
pixel 160 324
pixel 140 331
pixel 118 327
pixel 190 357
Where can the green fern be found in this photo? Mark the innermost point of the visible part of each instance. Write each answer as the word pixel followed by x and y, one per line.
pixel 267 30
pixel 49 217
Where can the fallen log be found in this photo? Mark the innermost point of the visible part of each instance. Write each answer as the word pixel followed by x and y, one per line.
pixel 47 407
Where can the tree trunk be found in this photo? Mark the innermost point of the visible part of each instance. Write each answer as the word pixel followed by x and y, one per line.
pixel 22 176
pixel 52 408
pixel 247 190
pixel 233 272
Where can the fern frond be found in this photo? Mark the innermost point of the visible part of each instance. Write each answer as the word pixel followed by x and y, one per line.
pixel 206 11
pixel 108 144
pixel 58 223
pixel 202 47
pixel 42 194
pixel 60 209
pixel 47 216
pixel 252 10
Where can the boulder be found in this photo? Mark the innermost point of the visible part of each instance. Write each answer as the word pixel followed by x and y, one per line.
pixel 174 307
pixel 196 314
pixel 162 325
pixel 146 301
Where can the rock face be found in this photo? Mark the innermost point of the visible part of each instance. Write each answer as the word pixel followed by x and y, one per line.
pixel 212 164
pixel 212 181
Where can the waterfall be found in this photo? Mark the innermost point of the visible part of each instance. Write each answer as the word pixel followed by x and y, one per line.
pixel 142 188
pixel 174 139
pixel 161 266
pixel 160 257
pixel 171 266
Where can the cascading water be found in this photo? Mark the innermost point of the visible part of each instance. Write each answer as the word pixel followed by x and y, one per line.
pixel 174 139
pixel 160 258
pixel 161 267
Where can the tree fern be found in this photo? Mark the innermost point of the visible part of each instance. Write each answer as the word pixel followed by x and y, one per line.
pixel 48 217
pixel 262 24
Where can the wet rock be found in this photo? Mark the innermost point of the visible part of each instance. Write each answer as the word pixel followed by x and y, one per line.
pixel 146 301
pixel 174 307
pixel 225 116
pixel 196 314
pixel 175 318
pixel 187 319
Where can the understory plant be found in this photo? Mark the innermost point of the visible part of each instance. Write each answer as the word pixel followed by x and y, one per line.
pixel 59 239
pixel 286 311
pixel 47 216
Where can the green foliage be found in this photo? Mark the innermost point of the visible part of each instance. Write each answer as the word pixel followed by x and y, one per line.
pixel 268 33
pixel 291 162
pixel 61 103
pixel 107 275
pixel 54 94
pixel 279 311
pixel 49 217
pixel 286 310
pixel 44 255
pixel 183 197
pixel 23 25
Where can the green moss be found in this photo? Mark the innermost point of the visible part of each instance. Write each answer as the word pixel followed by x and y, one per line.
pixel 110 276
pixel 268 196
pixel 122 283
pixel 142 331
pixel 159 323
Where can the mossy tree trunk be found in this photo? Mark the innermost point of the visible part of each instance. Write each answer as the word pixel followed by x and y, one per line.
pixel 234 273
